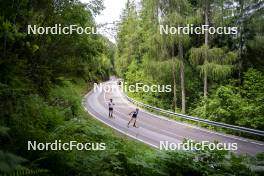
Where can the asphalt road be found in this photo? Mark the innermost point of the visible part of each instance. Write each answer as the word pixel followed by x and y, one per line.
pixel 152 129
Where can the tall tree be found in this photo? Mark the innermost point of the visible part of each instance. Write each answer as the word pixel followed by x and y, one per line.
pixel 127 38
pixel 212 62
pixel 206 43
pixel 177 13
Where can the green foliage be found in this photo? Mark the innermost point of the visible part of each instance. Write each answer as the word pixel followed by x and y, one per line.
pixel 67 99
pixel 207 162
pixel 215 62
pixel 10 162
pixel 236 106
pixel 122 156
pixel 156 58
pixel 36 74
pixel 128 39
pixel 42 78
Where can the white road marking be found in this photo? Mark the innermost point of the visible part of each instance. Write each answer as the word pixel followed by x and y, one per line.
pixel 134 137
pixel 144 123
pixel 160 117
pixel 191 126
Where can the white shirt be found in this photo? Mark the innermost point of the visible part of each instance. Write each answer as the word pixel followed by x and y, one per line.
pixel 111 104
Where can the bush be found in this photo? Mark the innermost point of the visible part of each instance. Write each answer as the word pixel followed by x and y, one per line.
pixel 232 105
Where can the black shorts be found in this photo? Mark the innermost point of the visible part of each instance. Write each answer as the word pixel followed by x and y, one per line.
pixel 110 109
pixel 134 116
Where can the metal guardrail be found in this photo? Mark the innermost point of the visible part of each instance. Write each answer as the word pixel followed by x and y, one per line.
pixel 197 119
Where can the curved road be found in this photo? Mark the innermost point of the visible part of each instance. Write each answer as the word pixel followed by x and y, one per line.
pixel 154 128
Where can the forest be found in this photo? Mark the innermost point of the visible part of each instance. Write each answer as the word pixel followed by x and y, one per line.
pixel 43 79
pixel 214 76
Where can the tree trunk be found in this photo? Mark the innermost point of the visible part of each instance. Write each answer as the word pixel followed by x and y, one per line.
pixel 241 26
pixel 206 42
pixel 183 103
pixel 206 14
pixel 174 87
pixel 205 84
